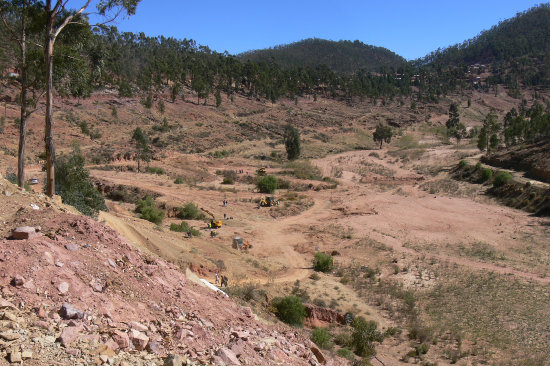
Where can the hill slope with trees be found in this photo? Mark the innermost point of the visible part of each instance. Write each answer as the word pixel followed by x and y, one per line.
pixel 341 56
pixel 517 48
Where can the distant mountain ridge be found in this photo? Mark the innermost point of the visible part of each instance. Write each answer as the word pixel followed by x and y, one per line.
pixel 339 56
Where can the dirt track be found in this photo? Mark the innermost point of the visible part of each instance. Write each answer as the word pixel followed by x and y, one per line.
pixel 396 220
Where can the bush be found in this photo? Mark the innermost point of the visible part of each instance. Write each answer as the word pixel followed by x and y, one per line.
pixel 189 212
pixel 322 262
pixel 267 184
pixel 155 170
pixel 183 228
pixel 290 310
pixel 220 154
pixel 462 164
pixel 73 184
pixel 345 353
pixel 501 178
pixel 364 335
pixel 11 176
pixel 179 180
pixel 148 211
pixel 321 337
pixel 486 174
pixel 229 177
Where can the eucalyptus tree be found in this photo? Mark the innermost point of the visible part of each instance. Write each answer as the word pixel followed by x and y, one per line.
pixel 22 22
pixel 57 18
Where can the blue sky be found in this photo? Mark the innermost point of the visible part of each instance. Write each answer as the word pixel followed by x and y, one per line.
pixel 411 28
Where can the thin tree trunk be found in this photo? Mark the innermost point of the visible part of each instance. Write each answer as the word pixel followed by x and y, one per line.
pixel 23 125
pixel 48 136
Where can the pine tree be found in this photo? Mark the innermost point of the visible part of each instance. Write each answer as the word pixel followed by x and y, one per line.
pixel 292 142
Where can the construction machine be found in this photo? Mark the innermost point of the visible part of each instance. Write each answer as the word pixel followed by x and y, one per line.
pixel 240 244
pixel 214 224
pixel 269 201
pixel 261 171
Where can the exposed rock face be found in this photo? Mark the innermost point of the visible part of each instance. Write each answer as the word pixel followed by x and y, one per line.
pixel 319 316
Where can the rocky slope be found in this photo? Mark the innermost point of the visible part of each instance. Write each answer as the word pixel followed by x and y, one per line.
pixel 75 292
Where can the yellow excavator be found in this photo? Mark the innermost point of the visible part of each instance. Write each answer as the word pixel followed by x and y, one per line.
pixel 269 201
pixel 261 171
pixel 213 223
pixel 240 244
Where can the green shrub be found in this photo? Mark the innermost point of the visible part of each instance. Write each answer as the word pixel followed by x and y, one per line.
pixel 163 127
pixel 183 228
pixel 148 211
pixel 220 154
pixel 486 174
pixel 179 180
pixel 462 164
pixel 148 101
pixel 343 339
pixel 73 184
pixel 290 310
pixel 229 177
pixel 267 184
pixel 321 337
pixel 345 353
pixel 322 262
pixel 501 178
pixel 152 214
pixel 189 212
pixel 478 166
pixel 11 176
pixel 155 170
pixel 364 335
pixel 420 333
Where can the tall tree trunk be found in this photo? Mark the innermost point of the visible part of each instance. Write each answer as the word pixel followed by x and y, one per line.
pixel 23 125
pixel 48 136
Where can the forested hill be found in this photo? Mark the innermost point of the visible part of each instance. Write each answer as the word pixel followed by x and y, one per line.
pixel 341 56
pixel 525 35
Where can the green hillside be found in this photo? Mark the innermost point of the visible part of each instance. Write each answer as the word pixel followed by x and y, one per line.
pixel 341 56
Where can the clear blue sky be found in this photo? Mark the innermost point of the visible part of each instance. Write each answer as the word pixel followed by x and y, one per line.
pixel 411 28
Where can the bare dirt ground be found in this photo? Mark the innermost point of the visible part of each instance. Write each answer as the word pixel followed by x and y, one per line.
pixel 398 225
pixel 376 200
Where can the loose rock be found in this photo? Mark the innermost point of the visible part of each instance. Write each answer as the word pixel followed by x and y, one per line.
pixel 228 356
pixel 69 312
pixel 23 232
pixel 63 287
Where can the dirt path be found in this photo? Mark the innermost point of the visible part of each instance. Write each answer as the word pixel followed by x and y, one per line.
pixel 518 176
